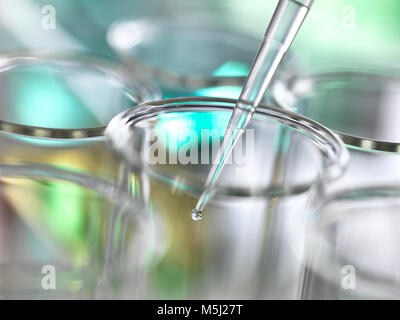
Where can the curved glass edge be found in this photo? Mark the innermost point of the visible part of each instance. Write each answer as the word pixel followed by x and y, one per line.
pixel 360 193
pixel 337 155
pixel 143 89
pixel 149 229
pixel 168 77
pixel 352 141
pixel 109 190
pixel 317 221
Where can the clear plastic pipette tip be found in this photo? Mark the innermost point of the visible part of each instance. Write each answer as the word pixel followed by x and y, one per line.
pixel 282 29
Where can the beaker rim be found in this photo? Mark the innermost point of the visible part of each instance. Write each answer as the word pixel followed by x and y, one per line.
pixel 341 206
pixel 379 76
pixel 36 193
pixel 138 89
pixel 210 25
pixel 116 194
pixel 333 150
pixel 107 189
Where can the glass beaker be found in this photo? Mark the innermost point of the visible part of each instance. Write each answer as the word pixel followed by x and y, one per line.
pixel 353 249
pixel 361 105
pixel 250 242
pixel 54 109
pixel 63 234
pixel 188 55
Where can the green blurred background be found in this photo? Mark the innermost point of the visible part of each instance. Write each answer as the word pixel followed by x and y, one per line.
pixel 335 31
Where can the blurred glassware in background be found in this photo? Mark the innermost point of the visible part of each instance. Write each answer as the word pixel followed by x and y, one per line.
pixel 362 106
pixel 336 31
pixel 86 22
pixel 250 244
pixel 22 27
pixel 63 235
pixel 54 110
pixel 353 245
pixel 193 55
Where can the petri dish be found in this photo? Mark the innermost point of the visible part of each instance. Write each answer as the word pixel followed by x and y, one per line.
pixel 249 244
pixel 352 250
pixel 360 105
pixel 68 238
pixel 188 56
pixel 54 109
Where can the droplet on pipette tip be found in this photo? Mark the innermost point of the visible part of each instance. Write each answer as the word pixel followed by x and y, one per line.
pixel 197 214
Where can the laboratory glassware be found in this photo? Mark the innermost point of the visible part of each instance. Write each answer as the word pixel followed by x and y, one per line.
pixel 63 235
pixel 250 243
pixel 54 109
pixel 352 249
pixel 188 55
pixel 361 104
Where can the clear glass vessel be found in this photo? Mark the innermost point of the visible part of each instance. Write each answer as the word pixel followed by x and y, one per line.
pixel 361 105
pixel 353 245
pixel 193 55
pixel 54 110
pixel 250 242
pixel 64 235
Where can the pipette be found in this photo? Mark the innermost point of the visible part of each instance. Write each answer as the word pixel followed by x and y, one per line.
pixel 282 29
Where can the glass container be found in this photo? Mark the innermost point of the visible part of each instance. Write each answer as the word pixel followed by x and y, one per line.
pixel 250 242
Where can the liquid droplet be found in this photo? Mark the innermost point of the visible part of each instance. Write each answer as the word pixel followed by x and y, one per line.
pixel 197 214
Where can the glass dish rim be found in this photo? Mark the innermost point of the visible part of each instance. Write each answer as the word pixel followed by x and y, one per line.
pixel 118 197
pixel 143 88
pixel 347 194
pixel 107 189
pixel 191 80
pixel 370 73
pixel 336 154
